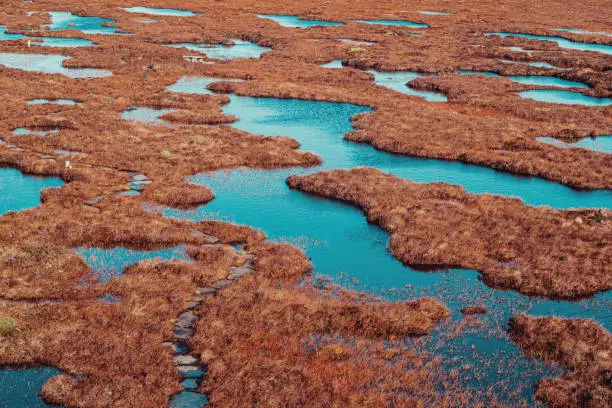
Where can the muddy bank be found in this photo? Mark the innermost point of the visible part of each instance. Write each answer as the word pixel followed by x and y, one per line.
pixel 534 250
pixel 582 347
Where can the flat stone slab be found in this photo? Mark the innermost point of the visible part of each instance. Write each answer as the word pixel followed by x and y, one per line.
pixel 139 177
pixel 190 371
pixel 185 360
pixel 221 283
pixel 186 319
pixel 208 289
pixel 183 333
pixel 203 297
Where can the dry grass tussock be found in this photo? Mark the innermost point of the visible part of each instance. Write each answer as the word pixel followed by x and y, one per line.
pixel 581 346
pixel 534 250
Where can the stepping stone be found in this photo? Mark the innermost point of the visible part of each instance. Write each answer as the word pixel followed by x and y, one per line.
pixel 203 291
pixel 185 360
pixel 221 283
pixel 139 177
pixel 186 320
pixel 183 333
pixel 95 200
pixel 191 305
pixel 180 347
pixel 190 371
pixel 202 298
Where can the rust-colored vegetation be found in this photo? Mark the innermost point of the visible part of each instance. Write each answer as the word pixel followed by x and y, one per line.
pixel 534 250
pixel 581 346
pixel 275 338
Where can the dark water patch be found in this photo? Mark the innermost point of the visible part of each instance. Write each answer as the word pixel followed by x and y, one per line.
pixel 19 191
pixel 561 42
pixel 109 263
pixel 297 22
pixel 21 387
pixel 110 299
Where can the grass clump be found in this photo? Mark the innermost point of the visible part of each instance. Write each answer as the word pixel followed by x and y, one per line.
pixel 7 326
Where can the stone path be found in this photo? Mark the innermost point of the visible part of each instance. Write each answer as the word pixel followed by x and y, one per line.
pixel 187 362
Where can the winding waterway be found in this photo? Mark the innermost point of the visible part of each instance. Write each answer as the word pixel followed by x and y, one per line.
pixel 343 246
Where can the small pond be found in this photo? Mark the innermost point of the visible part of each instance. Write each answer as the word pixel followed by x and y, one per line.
pixel 21 387
pixel 297 22
pixel 109 263
pixel 162 11
pixel 48 64
pixel 240 49
pixel 598 144
pixel 19 191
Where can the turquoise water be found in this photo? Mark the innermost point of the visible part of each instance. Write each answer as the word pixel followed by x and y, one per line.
pixel 532 79
pixel 49 64
pixel 398 23
pixel 296 22
pixel 197 85
pixel 61 20
pixel 53 102
pixel 62 42
pixel 565 97
pixel 47 41
pixel 38 132
pixel 397 81
pixel 599 144
pixel 19 191
pixel 162 11
pixel 335 64
pixel 109 263
pixel 579 31
pixel 20 388
pixel 342 245
pixel 240 49
pixel 537 64
pixel 188 399
pixel 145 115
pixel 436 13
pixel 561 42
pixel 4 36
